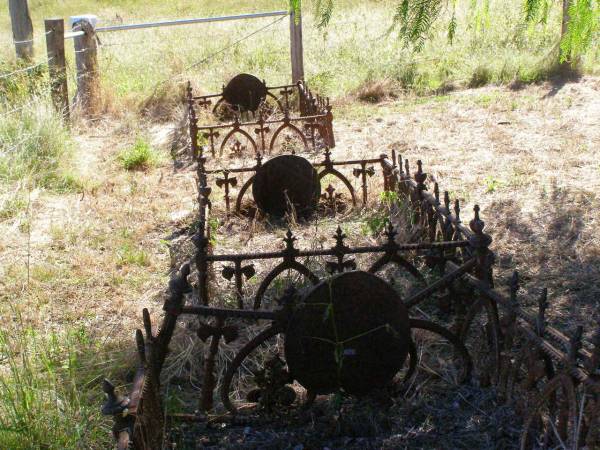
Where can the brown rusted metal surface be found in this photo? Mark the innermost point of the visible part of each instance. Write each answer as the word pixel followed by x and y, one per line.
pixel 287 184
pixel 351 332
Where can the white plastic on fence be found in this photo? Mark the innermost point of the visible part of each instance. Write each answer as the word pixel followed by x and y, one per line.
pixel 90 18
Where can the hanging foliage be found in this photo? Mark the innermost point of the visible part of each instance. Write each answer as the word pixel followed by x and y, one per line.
pixel 413 20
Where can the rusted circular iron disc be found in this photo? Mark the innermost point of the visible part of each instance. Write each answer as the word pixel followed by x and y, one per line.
pixel 245 92
pixel 283 180
pixel 366 317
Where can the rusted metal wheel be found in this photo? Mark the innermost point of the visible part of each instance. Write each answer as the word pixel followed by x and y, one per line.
pixel 552 422
pixel 351 332
pixel 237 361
pixel 286 181
pixel 453 339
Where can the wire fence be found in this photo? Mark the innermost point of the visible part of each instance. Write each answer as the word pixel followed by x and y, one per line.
pixel 74 76
pixel 24 69
pixel 34 39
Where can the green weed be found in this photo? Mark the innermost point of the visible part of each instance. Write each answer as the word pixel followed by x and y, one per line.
pixel 12 206
pixel 140 156
pixel 36 146
pixel 128 255
pixel 45 401
pixel 492 184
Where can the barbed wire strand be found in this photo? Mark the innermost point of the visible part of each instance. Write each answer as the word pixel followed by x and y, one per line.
pixel 218 52
pixel 33 39
pixel 12 111
pixel 25 69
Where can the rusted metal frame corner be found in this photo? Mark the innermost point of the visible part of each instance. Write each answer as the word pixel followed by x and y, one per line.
pixel 581 366
pixel 138 417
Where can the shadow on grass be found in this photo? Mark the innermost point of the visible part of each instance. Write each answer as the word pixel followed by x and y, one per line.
pixel 550 249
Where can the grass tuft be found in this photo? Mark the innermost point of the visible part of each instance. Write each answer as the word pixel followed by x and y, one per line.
pixel 36 146
pixel 44 402
pixel 481 76
pixel 140 156
pixel 374 91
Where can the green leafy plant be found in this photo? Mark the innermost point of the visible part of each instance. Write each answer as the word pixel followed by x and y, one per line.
pixel 413 20
pixel 584 20
pixel 492 184
pixel 42 391
pixel 129 255
pixel 139 156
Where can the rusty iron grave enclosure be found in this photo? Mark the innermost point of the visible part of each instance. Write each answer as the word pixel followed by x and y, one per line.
pixel 342 322
pixel 293 184
pixel 249 118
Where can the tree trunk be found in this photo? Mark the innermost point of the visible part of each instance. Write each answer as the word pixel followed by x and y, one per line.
pixel 566 66
pixel 22 28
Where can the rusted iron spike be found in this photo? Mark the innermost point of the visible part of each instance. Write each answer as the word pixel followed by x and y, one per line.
pixel 540 322
pixel 209 383
pixel 480 243
pixel 592 364
pixel 447 203
pixel 420 178
pixel 211 135
pixel 147 325
pixel 575 345
pixel 331 198
pixel 141 346
pixel 286 95
pixel 262 132
pixel 178 286
pixel 514 287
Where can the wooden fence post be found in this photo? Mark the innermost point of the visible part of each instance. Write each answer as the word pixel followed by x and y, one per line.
pixel 22 28
pixel 55 47
pixel 297 54
pixel 88 75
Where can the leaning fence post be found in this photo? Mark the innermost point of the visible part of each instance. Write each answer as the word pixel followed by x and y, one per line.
pixel 86 59
pixel 22 28
pixel 57 69
pixel 297 54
